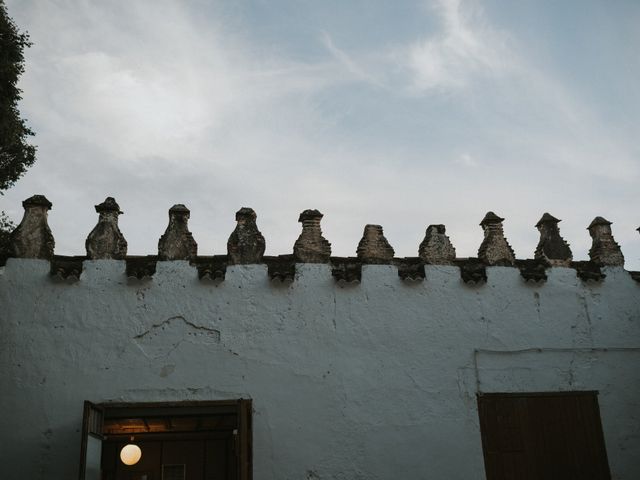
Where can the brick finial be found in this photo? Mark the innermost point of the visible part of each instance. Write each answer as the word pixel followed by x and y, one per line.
pixel 246 244
pixel 311 246
pixel 604 250
pixel 33 237
pixel 374 247
pixel 552 248
pixel 106 240
pixel 177 243
pixel 494 249
pixel 436 247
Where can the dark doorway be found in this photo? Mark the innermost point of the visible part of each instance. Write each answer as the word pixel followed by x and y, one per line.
pixel 178 441
pixel 542 436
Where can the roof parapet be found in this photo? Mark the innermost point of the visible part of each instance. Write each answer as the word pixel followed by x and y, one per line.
pixel 311 246
pixel 106 240
pixel 246 244
pixel 32 238
pixel 177 242
pixel 436 248
pixel 494 249
pixel 604 251
pixel 552 248
pixel 374 247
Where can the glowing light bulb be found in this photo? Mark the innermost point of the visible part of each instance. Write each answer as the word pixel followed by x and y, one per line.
pixel 130 454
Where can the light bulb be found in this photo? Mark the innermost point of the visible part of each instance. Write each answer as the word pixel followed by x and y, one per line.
pixel 130 454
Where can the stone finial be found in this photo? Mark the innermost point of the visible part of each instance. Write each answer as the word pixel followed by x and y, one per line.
pixel 494 249
pixel 373 247
pixel 552 248
pixel 246 244
pixel 604 250
pixel 33 238
pixel 311 246
pixel 106 240
pixel 436 247
pixel 177 243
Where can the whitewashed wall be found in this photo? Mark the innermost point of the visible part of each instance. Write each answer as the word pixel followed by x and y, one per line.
pixel 363 381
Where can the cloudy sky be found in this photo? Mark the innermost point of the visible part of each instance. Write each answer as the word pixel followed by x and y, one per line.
pixel 401 113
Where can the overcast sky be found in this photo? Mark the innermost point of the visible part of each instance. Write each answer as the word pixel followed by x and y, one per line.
pixel 402 113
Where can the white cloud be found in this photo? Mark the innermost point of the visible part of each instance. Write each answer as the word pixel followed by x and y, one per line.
pixel 151 104
pixel 349 63
pixel 464 49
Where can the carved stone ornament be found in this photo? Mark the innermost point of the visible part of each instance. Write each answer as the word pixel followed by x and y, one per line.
pixel 346 270
pixel 495 250
pixel 472 271
pixel 311 246
pixel 411 269
pixel 33 238
pixel 552 248
pixel 211 268
pixel 436 247
pixel 604 250
pixel 533 271
pixel 374 247
pixel 106 240
pixel 588 271
pixel 141 267
pixel 177 243
pixel 246 244
pixel 282 268
pixel 65 267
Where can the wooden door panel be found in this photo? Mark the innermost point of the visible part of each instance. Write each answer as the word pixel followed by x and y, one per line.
pixel 185 452
pixel 542 436
pixel 219 459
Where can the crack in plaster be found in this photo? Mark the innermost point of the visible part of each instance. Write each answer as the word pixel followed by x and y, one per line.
pixel 162 338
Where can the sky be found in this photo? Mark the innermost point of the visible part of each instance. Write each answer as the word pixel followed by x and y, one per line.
pixel 400 113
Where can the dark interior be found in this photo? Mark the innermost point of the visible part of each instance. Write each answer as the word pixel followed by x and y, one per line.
pixel 185 443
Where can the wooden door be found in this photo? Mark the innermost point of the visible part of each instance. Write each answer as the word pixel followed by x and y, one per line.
pixel 220 459
pixel 543 436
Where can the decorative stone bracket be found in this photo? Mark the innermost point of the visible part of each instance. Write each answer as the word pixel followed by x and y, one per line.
pixel 346 269
pixel 588 271
pixel 282 267
pixel 411 269
pixel 211 268
pixel 472 271
pixel 141 267
pixel 67 267
pixel 533 271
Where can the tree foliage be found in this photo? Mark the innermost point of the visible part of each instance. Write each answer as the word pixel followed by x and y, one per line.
pixel 16 155
pixel 6 226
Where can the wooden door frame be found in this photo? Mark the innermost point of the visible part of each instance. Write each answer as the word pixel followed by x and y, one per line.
pixel 242 407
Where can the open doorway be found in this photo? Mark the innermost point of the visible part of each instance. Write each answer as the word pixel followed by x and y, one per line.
pixel 167 441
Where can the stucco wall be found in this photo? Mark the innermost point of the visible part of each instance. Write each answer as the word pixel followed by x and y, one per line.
pixel 376 380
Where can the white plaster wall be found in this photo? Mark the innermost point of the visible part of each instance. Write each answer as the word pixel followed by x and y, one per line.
pixel 369 381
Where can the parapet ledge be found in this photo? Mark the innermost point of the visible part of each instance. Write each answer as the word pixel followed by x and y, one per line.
pixel 33 239
pixel 344 270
